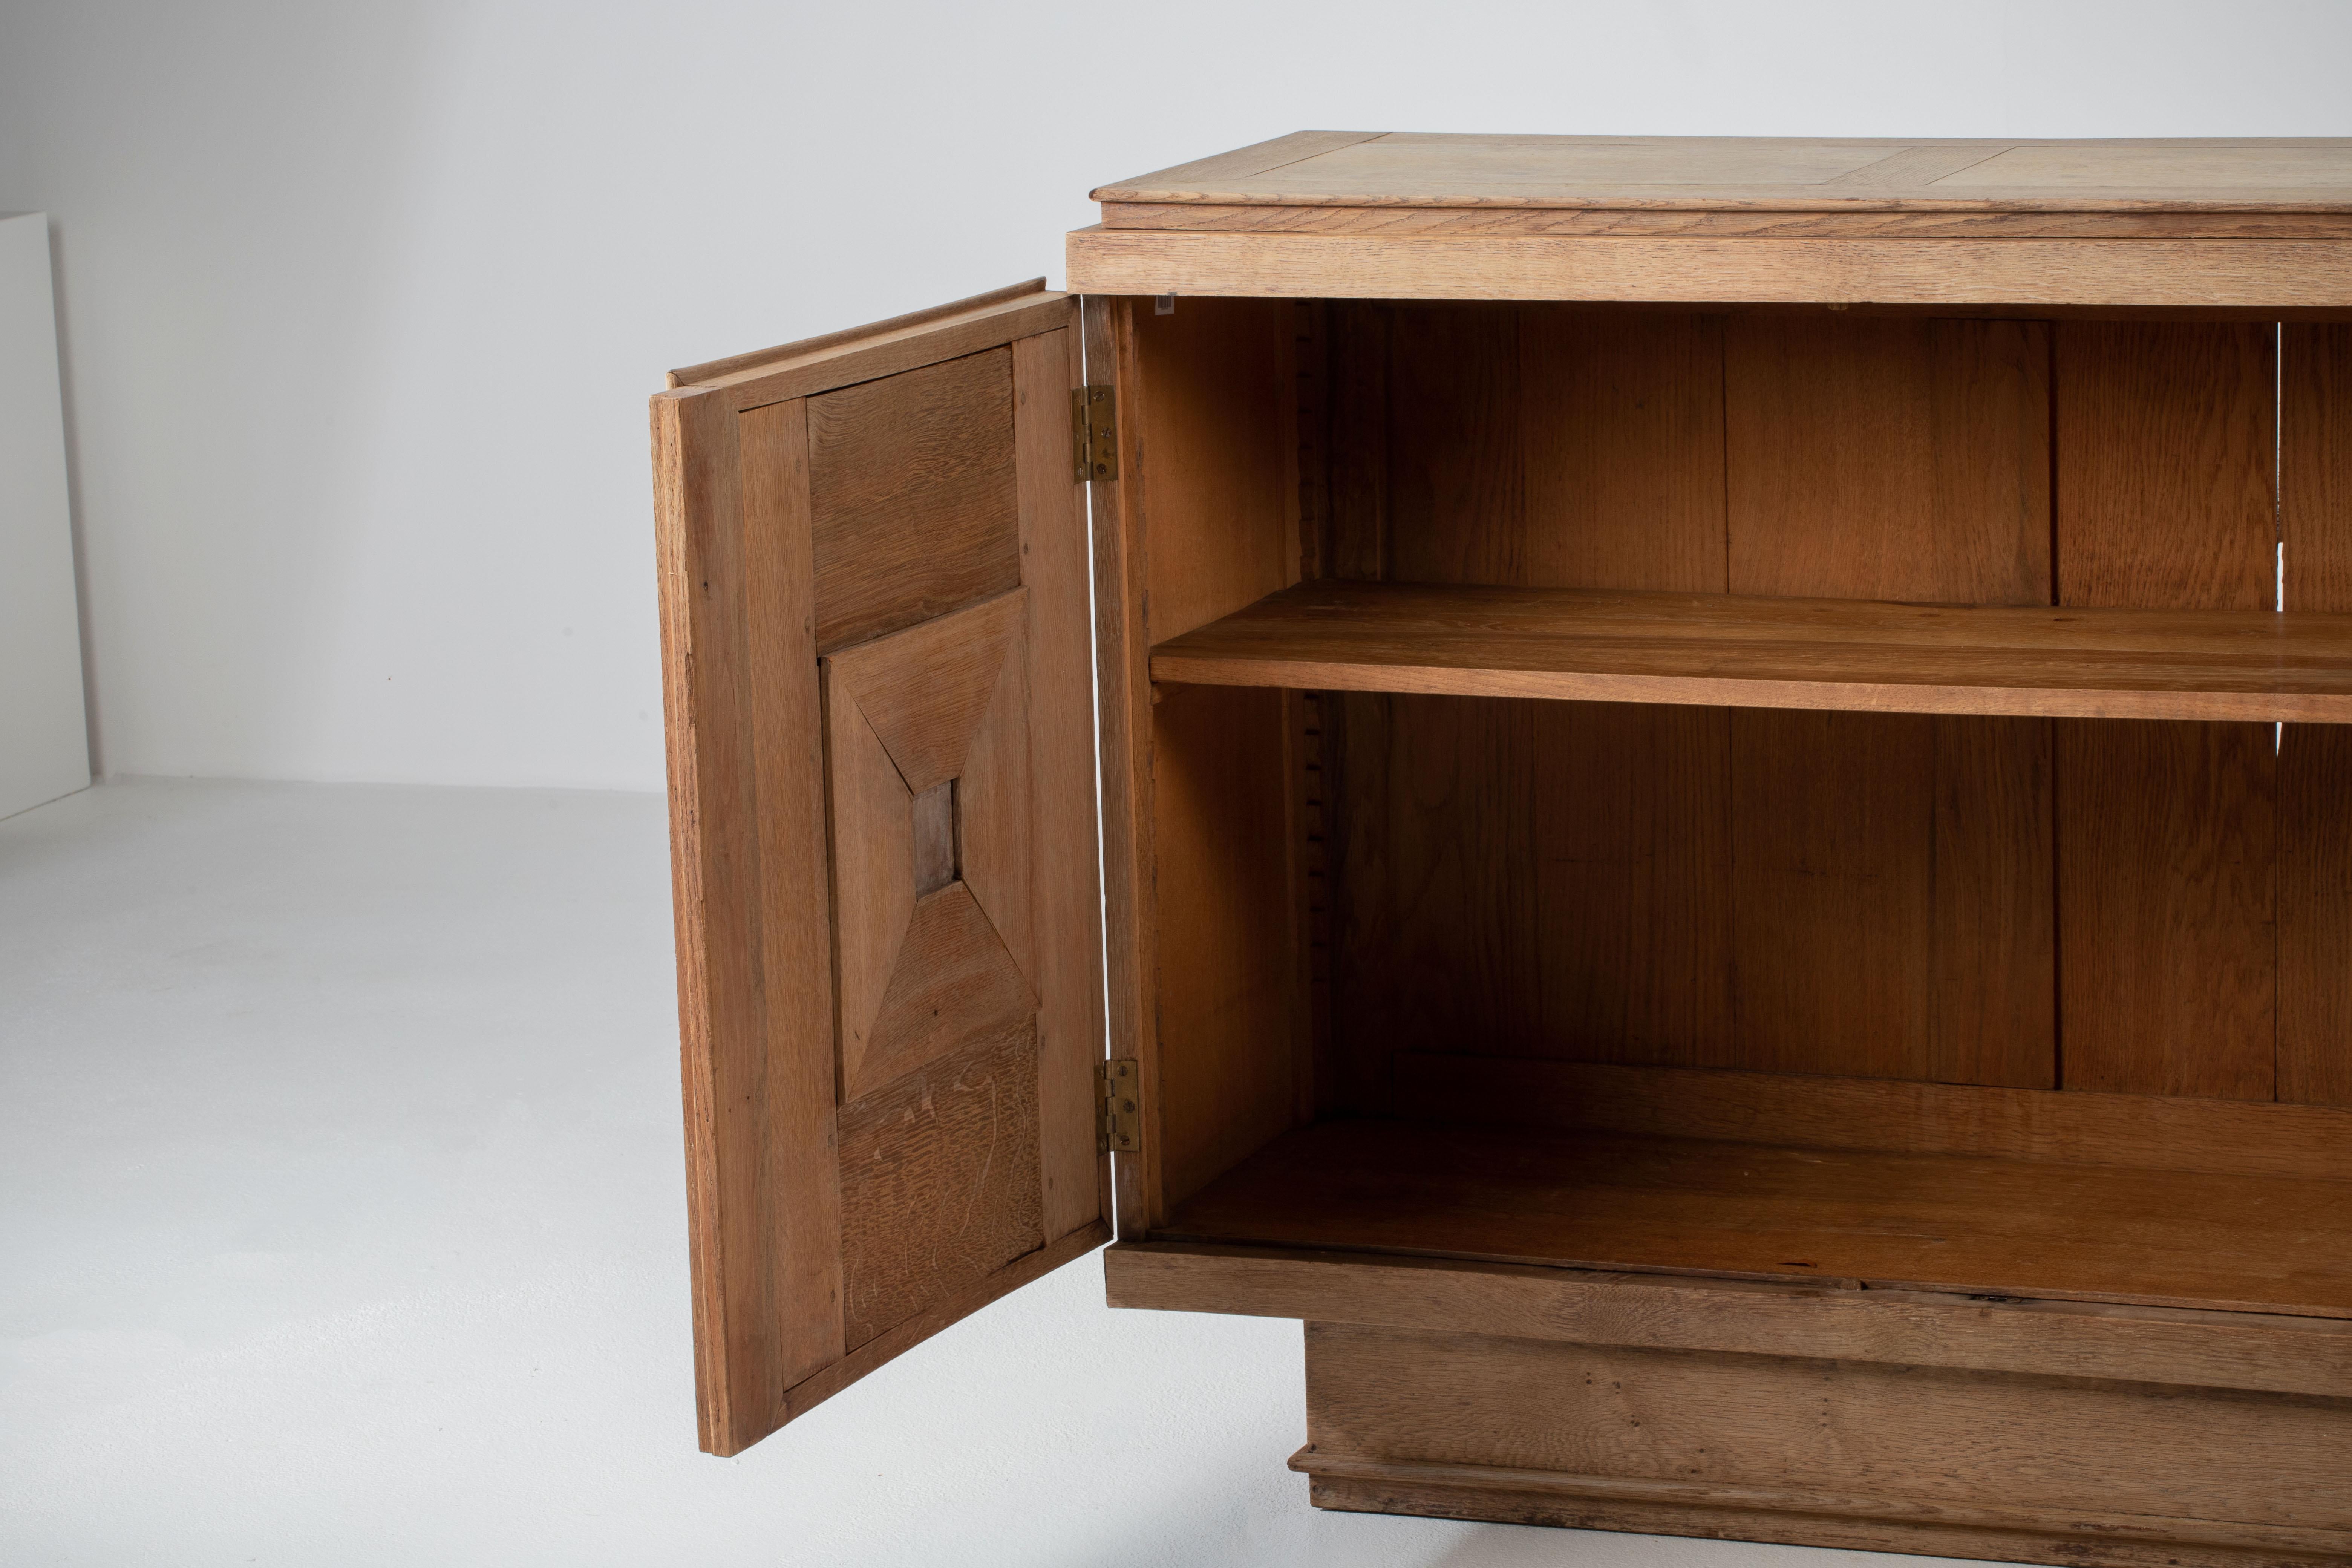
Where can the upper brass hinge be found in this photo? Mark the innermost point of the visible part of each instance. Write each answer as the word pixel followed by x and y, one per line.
pixel 1119 1112
pixel 1094 431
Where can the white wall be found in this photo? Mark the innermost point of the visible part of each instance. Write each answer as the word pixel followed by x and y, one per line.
pixel 44 731
pixel 362 304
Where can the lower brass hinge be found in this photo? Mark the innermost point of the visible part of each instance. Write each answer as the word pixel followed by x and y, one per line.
pixel 1094 431
pixel 1119 1115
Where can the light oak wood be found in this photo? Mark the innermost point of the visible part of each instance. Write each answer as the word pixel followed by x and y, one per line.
pixel 1880 861
pixel 2165 443
pixel 2314 765
pixel 1844 1519
pixel 859 1181
pixel 2223 1137
pixel 860 337
pixel 911 480
pixel 891 1343
pixel 1528 625
pixel 1052 902
pixel 2055 1457
pixel 1438 884
pixel 1746 1317
pixel 1763 652
pixel 2268 274
pixel 941 706
pixel 1421 169
pixel 1210 412
pixel 748 860
pixel 954 983
pixel 1743 222
pixel 1928 1222
pixel 923 338
pixel 938 1177
pixel 1130 939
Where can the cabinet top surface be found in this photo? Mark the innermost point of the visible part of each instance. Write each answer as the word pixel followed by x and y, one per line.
pixel 1411 169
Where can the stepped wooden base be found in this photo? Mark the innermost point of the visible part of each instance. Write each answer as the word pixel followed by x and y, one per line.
pixel 1794 1519
pixel 1941 1461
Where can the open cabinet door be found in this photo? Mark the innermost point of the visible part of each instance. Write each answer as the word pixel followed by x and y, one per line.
pixel 875 655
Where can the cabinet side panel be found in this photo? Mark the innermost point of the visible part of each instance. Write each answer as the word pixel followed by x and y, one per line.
pixel 1893 901
pixel 1211 408
pixel 2168 952
pixel 2314 762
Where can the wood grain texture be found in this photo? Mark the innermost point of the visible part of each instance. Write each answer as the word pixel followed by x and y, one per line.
pixel 747 800
pixel 939 710
pixel 2226 1137
pixel 1843 655
pixel 939 1181
pixel 1745 1317
pixel 1632 843
pixel 1210 410
pixel 1213 413
pixel 1927 1436
pixel 1256 160
pixel 1479 445
pixel 1834 892
pixel 1229 984
pixel 1888 459
pixel 1929 1222
pixel 1440 912
pixel 2306 274
pixel 1742 221
pixel 1621 422
pixel 1621 426
pixel 1061 948
pixel 924 690
pixel 1024 295
pixel 741 498
pixel 872 353
pixel 911 482
pixel 1515 170
pixel 933 816
pixel 1913 168
pixel 1802 1519
pixel 873 879
pixel 2314 765
pixel 954 983
pixel 2166 834
pixel 1122 651
pixel 891 1343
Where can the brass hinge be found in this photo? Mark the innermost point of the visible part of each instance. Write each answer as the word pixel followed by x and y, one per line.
pixel 1119 1115
pixel 1094 431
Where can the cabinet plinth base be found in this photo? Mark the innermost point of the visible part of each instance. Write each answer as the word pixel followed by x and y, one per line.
pixel 1867 1524
pixel 1992 1466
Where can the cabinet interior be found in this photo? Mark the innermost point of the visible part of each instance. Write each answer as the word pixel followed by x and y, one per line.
pixel 1992 995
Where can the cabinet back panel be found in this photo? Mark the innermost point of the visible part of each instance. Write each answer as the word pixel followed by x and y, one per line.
pixel 2166 844
pixel 1641 884
pixel 1860 895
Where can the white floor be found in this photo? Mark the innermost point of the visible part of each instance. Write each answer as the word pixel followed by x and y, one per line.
pixel 343 1223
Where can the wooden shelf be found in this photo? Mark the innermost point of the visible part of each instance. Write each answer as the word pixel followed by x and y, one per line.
pixel 1720 649
pixel 1682 1206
